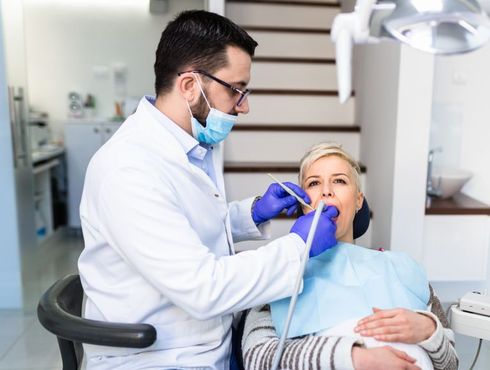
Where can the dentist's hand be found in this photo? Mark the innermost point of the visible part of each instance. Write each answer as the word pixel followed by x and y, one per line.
pixel 275 200
pixel 325 232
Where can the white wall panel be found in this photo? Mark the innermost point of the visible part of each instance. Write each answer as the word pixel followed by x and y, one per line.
pixel 301 76
pixel 282 146
pixel 272 15
pixel 376 68
pixel 289 44
pixel 296 109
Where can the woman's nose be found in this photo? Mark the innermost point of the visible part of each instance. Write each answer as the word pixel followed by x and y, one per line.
pixel 327 192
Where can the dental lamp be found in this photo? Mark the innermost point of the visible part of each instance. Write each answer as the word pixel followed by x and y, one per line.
pixel 436 26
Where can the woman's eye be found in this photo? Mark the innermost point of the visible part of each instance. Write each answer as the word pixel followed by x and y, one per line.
pixel 339 181
pixel 313 183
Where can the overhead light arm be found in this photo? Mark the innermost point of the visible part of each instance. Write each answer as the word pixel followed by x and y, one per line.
pixel 350 28
pixel 435 26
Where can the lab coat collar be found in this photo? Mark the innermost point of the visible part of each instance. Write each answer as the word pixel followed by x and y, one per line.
pixel 191 146
pixel 146 112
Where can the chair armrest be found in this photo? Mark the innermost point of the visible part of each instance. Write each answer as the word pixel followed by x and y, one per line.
pixel 57 317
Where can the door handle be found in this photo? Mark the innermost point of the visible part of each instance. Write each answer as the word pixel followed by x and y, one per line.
pixel 18 126
pixel 13 125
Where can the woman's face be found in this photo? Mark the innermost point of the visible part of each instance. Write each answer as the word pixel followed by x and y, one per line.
pixel 331 179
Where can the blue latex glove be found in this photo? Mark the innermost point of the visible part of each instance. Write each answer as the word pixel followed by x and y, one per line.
pixel 325 232
pixel 275 200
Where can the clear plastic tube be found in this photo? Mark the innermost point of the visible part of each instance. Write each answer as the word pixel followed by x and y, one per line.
pixel 294 297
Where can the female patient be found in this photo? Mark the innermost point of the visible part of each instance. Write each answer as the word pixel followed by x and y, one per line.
pixel 386 339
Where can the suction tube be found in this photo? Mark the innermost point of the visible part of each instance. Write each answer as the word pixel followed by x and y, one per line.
pixel 294 297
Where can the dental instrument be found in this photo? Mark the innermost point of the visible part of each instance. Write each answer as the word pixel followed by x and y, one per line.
pixel 291 192
pixel 294 297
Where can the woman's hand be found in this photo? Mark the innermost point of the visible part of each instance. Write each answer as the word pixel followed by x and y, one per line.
pixel 396 325
pixel 382 358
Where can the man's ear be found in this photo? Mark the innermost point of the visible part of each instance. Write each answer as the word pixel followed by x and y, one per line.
pixel 187 86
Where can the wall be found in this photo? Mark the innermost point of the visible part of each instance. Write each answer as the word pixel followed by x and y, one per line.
pixel 461 117
pixel 73 46
pixel 375 77
pixel 394 111
pixel 461 88
pixel 411 148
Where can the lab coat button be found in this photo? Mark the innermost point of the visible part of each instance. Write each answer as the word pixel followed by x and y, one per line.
pixel 216 195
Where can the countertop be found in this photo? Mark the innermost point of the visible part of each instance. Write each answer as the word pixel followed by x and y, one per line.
pixel 46 153
pixel 459 204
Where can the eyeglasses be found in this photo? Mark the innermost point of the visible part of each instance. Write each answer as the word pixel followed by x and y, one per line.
pixel 243 94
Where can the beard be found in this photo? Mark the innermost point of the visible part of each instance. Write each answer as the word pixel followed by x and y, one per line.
pixel 200 111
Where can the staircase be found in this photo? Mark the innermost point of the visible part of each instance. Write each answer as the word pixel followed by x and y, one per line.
pixel 294 101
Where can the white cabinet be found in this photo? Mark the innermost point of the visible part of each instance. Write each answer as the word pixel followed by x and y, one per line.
pixel 456 247
pixel 82 140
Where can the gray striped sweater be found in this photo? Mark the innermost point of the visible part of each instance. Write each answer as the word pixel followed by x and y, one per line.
pixel 259 343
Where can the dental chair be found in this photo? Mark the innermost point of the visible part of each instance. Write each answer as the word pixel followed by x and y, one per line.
pixel 59 311
pixel 361 224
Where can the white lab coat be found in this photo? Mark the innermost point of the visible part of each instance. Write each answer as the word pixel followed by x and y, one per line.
pixel 158 238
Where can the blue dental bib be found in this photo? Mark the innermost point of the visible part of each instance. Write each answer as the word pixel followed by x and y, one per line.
pixel 346 282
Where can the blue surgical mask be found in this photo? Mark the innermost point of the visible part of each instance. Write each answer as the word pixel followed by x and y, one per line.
pixel 218 124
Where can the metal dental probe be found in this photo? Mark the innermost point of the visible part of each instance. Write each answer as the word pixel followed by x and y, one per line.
pixel 291 192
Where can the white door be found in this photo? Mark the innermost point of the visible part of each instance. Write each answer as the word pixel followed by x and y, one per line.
pixel 17 230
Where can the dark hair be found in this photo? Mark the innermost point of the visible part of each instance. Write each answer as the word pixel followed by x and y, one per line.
pixel 196 39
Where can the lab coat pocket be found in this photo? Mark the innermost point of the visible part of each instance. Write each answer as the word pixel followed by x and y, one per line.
pixel 189 333
pixel 186 368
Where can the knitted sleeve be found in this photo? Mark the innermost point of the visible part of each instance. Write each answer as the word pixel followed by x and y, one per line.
pixel 260 341
pixel 440 346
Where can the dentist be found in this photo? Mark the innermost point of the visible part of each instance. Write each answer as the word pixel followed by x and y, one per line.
pixel 158 231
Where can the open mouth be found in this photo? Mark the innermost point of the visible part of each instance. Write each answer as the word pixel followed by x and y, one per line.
pixel 334 219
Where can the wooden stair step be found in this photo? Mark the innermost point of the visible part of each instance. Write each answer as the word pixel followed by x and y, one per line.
pixel 265 167
pixel 296 92
pixel 295 127
pixel 285 29
pixel 294 60
pixel 289 2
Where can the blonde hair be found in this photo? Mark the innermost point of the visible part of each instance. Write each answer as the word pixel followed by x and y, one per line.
pixel 325 150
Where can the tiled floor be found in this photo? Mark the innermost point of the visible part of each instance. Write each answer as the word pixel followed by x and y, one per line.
pixel 25 345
